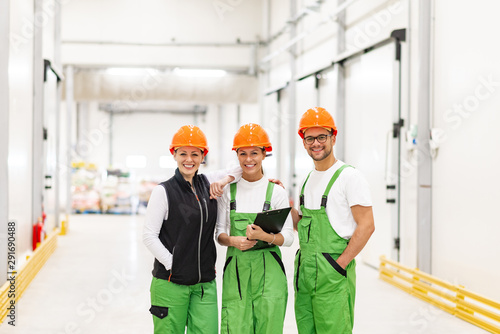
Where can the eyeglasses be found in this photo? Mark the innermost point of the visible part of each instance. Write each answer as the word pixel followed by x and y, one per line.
pixel 321 139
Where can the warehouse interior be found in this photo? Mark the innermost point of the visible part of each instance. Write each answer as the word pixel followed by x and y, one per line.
pixel 91 93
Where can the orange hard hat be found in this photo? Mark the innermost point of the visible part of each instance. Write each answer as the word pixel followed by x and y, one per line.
pixel 252 135
pixel 189 135
pixel 316 117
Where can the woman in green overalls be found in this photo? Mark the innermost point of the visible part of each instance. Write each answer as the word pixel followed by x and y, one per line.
pixel 254 292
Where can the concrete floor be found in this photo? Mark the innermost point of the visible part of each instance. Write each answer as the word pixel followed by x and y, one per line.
pixel 97 282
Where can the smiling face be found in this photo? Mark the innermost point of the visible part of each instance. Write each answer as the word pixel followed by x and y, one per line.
pixel 319 151
pixel 188 160
pixel 250 159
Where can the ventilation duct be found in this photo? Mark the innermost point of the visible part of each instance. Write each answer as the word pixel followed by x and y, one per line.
pixel 98 85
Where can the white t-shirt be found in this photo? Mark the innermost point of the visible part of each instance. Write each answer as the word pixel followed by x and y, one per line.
pixel 250 198
pixel 157 212
pixel 349 189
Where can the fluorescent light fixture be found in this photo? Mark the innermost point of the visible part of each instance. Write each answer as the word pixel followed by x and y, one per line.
pixel 167 161
pixel 136 161
pixel 131 71
pixel 204 73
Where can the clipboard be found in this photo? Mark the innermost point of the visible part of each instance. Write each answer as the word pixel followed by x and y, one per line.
pixel 272 221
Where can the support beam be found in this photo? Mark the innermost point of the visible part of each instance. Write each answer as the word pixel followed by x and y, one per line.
pixel 110 149
pixel 220 136
pixel 279 142
pixel 238 116
pixel 4 134
pixel 252 67
pixel 70 102
pixel 292 104
pixel 424 177
pixel 57 63
pixel 263 71
pixel 83 130
pixel 195 119
pixel 340 100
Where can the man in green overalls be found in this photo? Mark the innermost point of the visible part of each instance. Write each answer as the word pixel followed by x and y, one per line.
pixel 334 223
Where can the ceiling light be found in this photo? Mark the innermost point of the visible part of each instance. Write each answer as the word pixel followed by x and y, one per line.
pixel 131 71
pixel 206 73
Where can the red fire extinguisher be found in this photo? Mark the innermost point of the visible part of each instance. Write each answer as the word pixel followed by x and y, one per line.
pixel 37 232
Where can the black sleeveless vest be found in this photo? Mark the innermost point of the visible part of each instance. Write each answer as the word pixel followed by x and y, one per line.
pixel 188 233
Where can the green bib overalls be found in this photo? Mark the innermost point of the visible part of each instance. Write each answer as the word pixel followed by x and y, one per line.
pixel 254 287
pixel 324 292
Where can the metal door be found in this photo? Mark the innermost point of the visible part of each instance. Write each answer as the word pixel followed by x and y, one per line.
pixel 372 104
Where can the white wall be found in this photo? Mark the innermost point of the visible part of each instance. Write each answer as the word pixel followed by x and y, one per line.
pixel 370 21
pixel 465 174
pixel 4 134
pixel 280 69
pixel 20 125
pixel 158 20
pixel 47 24
pixel 25 172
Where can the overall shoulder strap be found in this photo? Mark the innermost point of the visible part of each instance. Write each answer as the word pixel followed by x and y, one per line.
pixel 330 184
pixel 301 198
pixel 232 204
pixel 269 195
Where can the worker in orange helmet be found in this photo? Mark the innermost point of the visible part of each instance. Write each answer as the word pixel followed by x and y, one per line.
pixel 254 292
pixel 334 223
pixel 179 231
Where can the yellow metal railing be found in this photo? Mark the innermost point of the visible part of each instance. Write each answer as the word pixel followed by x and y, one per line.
pixel 454 299
pixel 27 272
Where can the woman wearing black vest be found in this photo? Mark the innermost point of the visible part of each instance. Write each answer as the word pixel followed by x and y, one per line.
pixel 179 231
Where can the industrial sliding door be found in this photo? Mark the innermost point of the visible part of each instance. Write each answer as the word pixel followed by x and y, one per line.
pixel 371 145
pixel 327 88
pixel 50 134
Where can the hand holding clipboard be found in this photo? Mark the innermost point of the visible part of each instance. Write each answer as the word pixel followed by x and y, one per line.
pixel 271 222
